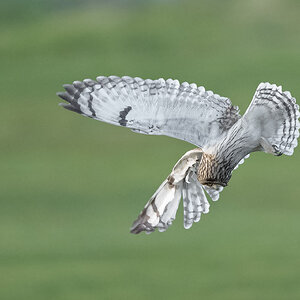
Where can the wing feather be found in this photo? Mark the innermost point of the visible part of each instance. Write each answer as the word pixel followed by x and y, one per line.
pixel 156 107
pixel 194 200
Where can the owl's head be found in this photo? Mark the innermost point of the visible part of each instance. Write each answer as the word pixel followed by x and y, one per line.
pixel 212 172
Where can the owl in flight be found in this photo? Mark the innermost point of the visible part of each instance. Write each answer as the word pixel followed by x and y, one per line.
pixel 184 111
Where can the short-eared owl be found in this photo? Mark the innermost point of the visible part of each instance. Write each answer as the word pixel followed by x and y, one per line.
pixel 223 137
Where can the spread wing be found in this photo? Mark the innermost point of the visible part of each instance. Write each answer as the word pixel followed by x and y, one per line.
pixel 157 107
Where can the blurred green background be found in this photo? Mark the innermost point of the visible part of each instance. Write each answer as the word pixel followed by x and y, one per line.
pixel 71 186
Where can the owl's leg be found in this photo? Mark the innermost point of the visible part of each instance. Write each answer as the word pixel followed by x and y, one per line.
pixel 269 148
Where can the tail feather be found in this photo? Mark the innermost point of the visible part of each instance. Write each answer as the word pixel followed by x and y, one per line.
pixel 277 114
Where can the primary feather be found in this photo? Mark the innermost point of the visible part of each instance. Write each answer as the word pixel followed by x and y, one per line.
pixel 157 107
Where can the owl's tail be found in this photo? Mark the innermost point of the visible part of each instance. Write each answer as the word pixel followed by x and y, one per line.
pixel 275 114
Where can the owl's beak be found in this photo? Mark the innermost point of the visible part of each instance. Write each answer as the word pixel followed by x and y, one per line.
pixel 213 184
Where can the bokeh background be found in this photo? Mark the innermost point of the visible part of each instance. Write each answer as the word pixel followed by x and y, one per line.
pixel 71 186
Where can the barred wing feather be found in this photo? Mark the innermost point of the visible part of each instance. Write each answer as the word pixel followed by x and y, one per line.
pixel 156 107
pixel 194 200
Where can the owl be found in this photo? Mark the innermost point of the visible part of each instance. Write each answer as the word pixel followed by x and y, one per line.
pixel 185 111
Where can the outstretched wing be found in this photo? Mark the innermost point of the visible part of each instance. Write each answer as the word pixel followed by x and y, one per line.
pixel 157 107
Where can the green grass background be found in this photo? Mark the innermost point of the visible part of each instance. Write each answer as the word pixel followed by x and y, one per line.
pixel 71 186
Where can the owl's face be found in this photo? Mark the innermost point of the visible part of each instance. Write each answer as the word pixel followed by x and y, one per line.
pixel 212 172
pixel 216 185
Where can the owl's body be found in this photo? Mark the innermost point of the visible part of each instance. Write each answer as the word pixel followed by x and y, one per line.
pixel 185 111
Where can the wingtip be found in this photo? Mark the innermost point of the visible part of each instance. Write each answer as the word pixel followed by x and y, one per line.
pixel 65 96
pixel 70 107
pixel 70 88
pixel 140 228
pixel 60 94
pixel 187 225
pixel 140 225
pixel 137 227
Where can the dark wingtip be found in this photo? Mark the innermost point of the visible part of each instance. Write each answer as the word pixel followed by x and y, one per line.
pixel 70 88
pixel 140 225
pixel 70 107
pixel 65 96
pixel 136 230
pixel 137 227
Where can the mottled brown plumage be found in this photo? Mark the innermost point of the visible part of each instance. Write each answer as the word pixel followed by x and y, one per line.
pixel 211 172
